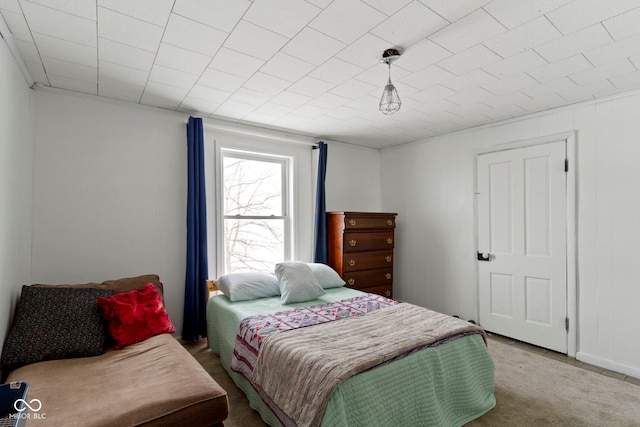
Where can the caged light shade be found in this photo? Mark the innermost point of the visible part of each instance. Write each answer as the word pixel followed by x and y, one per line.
pixel 390 100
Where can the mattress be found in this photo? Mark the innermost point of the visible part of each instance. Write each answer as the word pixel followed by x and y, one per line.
pixel 446 385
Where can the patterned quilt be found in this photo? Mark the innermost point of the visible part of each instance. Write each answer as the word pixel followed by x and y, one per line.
pixel 254 329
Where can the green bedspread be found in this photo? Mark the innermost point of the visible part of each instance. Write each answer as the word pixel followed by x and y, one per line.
pixel 447 385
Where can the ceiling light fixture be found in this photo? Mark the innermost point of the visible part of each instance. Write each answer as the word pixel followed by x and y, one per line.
pixel 390 101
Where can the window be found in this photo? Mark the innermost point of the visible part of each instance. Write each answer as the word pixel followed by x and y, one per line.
pixel 256 219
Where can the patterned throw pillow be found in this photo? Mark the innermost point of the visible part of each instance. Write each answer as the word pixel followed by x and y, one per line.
pixel 135 316
pixel 54 323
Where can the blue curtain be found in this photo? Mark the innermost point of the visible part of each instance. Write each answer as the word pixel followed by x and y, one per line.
pixel 195 286
pixel 320 245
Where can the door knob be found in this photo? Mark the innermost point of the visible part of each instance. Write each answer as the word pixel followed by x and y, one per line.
pixel 483 256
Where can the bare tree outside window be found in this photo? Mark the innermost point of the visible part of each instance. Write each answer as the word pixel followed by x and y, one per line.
pixel 254 213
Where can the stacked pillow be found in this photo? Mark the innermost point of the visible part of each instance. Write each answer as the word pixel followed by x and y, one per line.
pixel 294 281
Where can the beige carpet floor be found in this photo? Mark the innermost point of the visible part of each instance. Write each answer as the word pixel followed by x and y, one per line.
pixel 531 390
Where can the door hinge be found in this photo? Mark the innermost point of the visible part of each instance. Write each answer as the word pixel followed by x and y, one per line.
pixel 566 323
pixel 566 165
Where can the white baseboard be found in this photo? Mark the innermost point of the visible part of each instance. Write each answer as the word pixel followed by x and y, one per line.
pixel 608 364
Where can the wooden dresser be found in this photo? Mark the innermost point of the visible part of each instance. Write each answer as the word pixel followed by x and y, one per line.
pixel 360 249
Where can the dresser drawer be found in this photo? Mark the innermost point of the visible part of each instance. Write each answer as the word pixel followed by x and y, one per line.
pixel 354 261
pixel 357 242
pixel 369 222
pixel 384 290
pixel 367 278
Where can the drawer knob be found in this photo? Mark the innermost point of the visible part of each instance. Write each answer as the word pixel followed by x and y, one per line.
pixel 352 222
pixel 389 222
pixel 389 240
pixel 352 281
pixel 352 262
pixel 388 276
pixel 387 293
pixel 352 242
pixel 388 258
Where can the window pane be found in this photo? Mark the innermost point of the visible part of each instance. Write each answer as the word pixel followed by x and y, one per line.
pixel 252 187
pixel 253 245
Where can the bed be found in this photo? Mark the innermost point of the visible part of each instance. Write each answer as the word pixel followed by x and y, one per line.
pixel 446 383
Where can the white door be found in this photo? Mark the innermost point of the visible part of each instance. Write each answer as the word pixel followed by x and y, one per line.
pixel 522 243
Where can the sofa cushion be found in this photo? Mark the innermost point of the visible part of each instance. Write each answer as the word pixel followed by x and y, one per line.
pixel 54 323
pixel 135 315
pixel 155 382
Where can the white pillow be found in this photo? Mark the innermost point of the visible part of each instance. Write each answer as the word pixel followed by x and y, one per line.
pixel 326 276
pixel 297 282
pixel 247 286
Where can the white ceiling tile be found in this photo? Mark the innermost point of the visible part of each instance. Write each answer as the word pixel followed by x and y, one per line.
pixel 66 50
pixel 120 73
pixel 353 89
pixel 335 71
pixel 82 8
pixel 217 79
pixel 236 63
pixel 254 41
pixel 432 95
pixel 231 110
pixel 409 25
pixel 387 7
pixel 221 14
pixel 614 51
pixel 560 69
pixel 209 94
pixel 626 81
pixel 181 59
pixel 72 84
pixel 61 25
pixel 524 37
pixel 515 64
pixel 584 13
pixel 625 25
pixel 285 17
pixel 273 110
pixel 10 5
pixel 194 36
pixel 162 90
pixel 152 11
pixel 581 93
pixel 550 87
pixel 130 31
pixel 329 101
pixel 17 25
pixel 474 95
pixel 583 40
pixel 427 77
pixel 171 77
pixel 470 80
pixel 286 67
pixel 468 60
pixel 510 84
pixel 324 47
pixel 198 106
pixel 454 10
pixel 309 111
pixel 512 13
pixel 248 96
pixel 28 50
pixel 474 28
pixel 119 90
pixel 126 55
pixel 364 52
pixel 603 72
pixel 347 20
pixel 291 99
pixel 421 55
pixel 37 72
pixel 310 86
pixel 262 82
pixel 542 101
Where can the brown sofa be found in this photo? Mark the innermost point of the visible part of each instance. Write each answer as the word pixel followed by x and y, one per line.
pixel 155 382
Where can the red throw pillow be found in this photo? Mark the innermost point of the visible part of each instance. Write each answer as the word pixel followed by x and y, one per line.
pixel 135 316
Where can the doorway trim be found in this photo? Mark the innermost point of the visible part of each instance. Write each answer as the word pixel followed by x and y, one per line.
pixel 571 221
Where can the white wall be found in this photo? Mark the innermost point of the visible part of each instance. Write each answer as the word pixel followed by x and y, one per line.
pixel 110 191
pixel 16 168
pixel 435 247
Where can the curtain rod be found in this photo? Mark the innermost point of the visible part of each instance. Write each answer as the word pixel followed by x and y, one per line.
pixel 258 132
